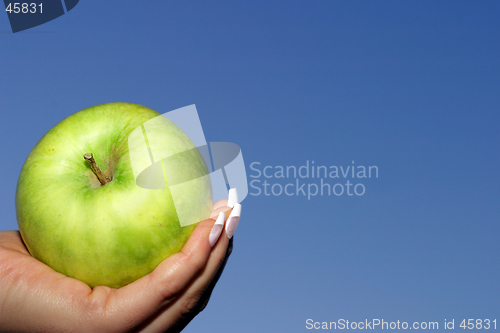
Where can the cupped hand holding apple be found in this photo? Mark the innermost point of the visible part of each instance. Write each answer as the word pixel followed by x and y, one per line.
pixel 80 208
pixel 35 298
pixel 96 252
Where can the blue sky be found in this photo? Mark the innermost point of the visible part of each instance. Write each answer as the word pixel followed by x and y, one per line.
pixel 411 87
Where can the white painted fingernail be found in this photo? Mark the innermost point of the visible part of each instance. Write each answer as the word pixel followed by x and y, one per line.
pixel 217 229
pixel 232 198
pixel 232 220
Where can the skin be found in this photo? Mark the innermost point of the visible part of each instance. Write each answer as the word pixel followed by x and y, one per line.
pixel 108 234
pixel 35 298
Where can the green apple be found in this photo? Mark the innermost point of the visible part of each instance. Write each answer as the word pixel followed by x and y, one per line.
pixel 111 232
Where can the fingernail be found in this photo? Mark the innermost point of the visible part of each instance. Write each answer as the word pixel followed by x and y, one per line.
pixel 217 229
pixel 232 220
pixel 232 198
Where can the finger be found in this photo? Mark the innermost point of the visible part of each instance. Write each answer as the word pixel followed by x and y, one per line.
pixel 159 288
pixel 232 199
pixel 205 297
pixel 226 210
pixel 220 203
pixel 196 295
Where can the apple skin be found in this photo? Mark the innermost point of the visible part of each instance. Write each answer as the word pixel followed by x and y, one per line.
pixel 107 235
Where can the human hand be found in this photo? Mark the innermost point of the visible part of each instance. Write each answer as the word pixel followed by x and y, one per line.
pixel 35 298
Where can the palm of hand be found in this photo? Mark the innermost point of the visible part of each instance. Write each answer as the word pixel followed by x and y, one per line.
pixel 34 297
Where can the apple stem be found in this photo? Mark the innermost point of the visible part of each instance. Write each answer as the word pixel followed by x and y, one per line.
pixel 102 179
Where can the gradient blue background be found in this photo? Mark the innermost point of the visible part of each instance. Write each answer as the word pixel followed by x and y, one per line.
pixel 409 86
